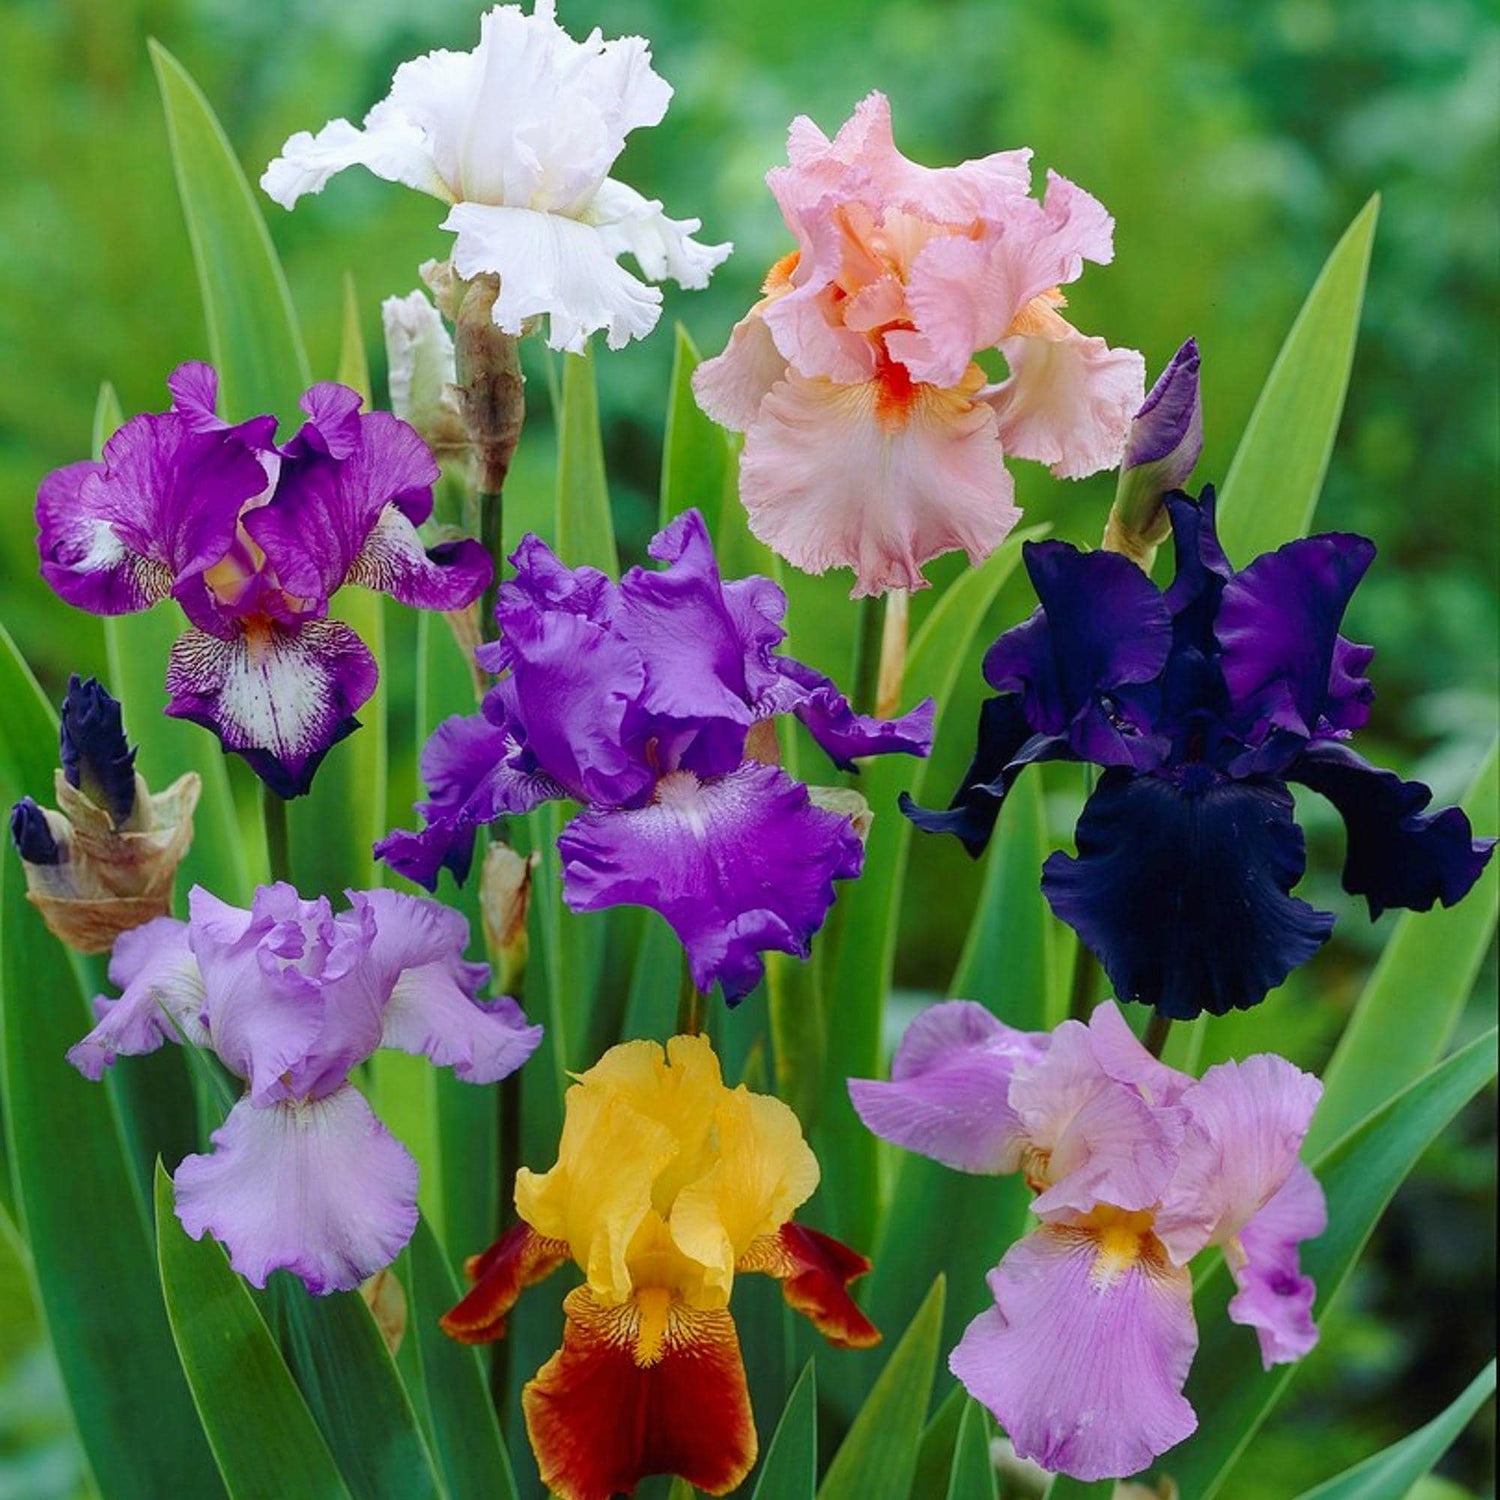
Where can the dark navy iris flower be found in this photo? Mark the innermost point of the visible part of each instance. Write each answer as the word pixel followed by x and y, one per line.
pixel 1201 703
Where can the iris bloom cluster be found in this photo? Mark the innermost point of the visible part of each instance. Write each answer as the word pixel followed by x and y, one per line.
pixel 647 701
pixel 291 997
pixel 1136 1168
pixel 518 138
pixel 1202 702
pixel 873 438
pixel 667 1185
pixel 252 539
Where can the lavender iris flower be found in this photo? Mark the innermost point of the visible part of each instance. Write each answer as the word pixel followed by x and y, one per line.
pixel 1201 703
pixel 639 699
pixel 292 996
pixel 252 539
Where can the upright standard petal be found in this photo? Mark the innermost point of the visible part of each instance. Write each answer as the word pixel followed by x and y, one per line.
pixel 738 864
pixel 1083 1357
pixel 1181 888
pixel 317 1187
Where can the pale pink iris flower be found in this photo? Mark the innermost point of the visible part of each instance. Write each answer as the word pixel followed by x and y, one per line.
pixel 873 440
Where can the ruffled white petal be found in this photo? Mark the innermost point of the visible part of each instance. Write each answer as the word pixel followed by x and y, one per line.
pixel 390 146
pixel 662 247
pixel 419 351
pixel 548 264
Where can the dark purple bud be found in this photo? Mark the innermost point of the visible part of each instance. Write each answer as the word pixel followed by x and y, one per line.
pixel 95 757
pixel 32 835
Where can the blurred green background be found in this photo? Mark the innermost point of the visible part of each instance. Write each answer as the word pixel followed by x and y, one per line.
pixel 1232 142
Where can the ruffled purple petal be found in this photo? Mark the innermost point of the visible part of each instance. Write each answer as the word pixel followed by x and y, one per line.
pixel 393 561
pixel 1246 1122
pixel 1274 1297
pixel 1083 1357
pixel 162 991
pixel 1102 627
pixel 432 1007
pixel 1102 1142
pixel 1278 632
pixel 280 696
pixel 1397 855
pixel 1181 889
pixel 333 425
pixel 327 504
pixel 738 864
pixel 319 1188
pixel 947 1096
pixel 840 732
pixel 1202 569
pixel 1006 747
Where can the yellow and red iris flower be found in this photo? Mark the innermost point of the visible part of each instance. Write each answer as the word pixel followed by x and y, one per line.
pixel 667 1184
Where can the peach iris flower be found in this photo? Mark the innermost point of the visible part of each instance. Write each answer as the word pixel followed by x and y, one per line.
pixel 873 440
pixel 667 1185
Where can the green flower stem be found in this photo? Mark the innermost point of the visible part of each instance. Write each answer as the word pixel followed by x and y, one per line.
pixel 691 1004
pixel 1084 994
pixel 867 654
pixel 892 668
pixel 1157 1029
pixel 278 843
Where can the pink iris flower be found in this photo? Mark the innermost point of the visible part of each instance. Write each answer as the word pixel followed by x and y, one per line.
pixel 1136 1168
pixel 873 440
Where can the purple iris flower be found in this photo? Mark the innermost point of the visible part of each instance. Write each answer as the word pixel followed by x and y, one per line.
pixel 1201 703
pixel 638 699
pixel 1136 1168
pixel 292 996
pixel 252 539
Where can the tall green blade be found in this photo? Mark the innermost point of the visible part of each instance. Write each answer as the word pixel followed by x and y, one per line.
pixel 1272 486
pixel 1411 1003
pixel 253 339
pixel 262 1434
pixel 878 1457
pixel 1393 1472
pixel 789 1471
pixel 973 1476
pixel 695 455
pixel 1227 1384
pixel 585 528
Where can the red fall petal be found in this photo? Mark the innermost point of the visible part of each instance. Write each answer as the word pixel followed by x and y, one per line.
pixel 814 1270
pixel 599 1421
pixel 514 1262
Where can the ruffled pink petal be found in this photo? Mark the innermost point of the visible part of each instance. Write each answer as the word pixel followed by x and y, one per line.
pixel 319 1188
pixel 948 1094
pixel 1246 1123
pixel 1068 401
pixel 1082 1359
pixel 1120 1055
pixel 1102 1143
pixel 162 993
pixel 731 386
pixel 856 477
pixel 1274 1297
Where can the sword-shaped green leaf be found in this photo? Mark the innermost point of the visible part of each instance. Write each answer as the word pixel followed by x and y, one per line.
pixel 789 1470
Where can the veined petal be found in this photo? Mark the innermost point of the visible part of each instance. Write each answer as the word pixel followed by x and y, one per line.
pixel 162 990
pixel 279 696
pixel 599 1422
pixel 948 1097
pixel 316 1187
pixel 842 476
pixel 1068 401
pixel 393 561
pixel 1182 890
pixel 518 1259
pixel 1274 1297
pixel 1397 854
pixel 549 264
pixel 1083 1357
pixel 1246 1122
pixel 738 864
pixel 814 1270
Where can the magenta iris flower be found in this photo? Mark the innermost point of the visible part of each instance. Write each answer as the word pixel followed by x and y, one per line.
pixel 292 996
pixel 1137 1168
pixel 252 539
pixel 1201 703
pixel 637 699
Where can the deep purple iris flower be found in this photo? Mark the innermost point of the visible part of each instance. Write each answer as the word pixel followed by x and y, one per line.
pixel 252 539
pixel 637 699
pixel 1201 703
pixel 292 996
